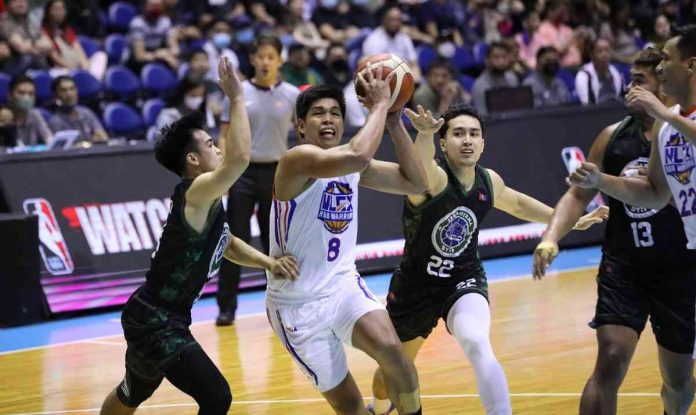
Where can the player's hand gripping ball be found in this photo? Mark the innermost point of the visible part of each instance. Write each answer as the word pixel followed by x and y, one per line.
pixel 401 84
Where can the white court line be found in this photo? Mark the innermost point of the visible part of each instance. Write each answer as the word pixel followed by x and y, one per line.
pixel 315 400
pixel 497 280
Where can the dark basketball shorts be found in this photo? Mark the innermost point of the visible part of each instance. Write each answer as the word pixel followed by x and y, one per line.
pixel 415 306
pixel 628 295
pixel 155 338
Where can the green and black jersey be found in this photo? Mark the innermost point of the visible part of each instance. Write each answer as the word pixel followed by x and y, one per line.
pixel 442 233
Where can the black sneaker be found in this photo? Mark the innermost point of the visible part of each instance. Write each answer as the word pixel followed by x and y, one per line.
pixel 225 318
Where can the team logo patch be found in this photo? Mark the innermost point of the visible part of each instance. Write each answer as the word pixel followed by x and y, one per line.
pixel 678 158
pixel 632 169
pixel 453 232
pixel 336 210
pixel 216 260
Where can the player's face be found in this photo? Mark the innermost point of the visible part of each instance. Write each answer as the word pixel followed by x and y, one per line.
pixel 266 62
pixel 674 71
pixel 463 143
pixel 644 77
pixel 207 156
pixel 323 125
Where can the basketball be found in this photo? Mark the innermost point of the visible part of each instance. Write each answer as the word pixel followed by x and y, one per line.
pixel 401 84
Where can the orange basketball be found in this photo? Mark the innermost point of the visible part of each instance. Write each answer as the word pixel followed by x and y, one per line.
pixel 401 84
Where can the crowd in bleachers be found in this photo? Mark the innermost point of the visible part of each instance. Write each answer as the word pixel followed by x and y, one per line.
pixel 121 68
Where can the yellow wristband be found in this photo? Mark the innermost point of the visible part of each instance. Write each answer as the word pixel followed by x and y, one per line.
pixel 548 246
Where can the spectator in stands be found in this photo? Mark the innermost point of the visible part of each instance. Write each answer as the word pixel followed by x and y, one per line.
pixel 183 20
pixel 620 33
pixel 303 31
pixel 219 45
pixel 528 40
pixel 153 38
pixel 8 63
pixel 297 70
pixel 67 51
pixel 68 115
pixel 515 64
pixel 389 38
pixel 8 130
pixel 270 107
pixel 496 75
pixel 209 10
pixel 267 12
pixel 199 67
pixel 554 31
pixel 334 21
pixel 335 69
pixel 661 32
pixel 85 17
pixel 190 96
pixel 28 43
pixel 441 89
pixel 31 126
pixel 440 20
pixel 598 80
pixel 548 89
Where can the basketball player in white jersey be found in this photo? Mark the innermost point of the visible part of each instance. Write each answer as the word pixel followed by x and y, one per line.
pixel 314 217
pixel 672 166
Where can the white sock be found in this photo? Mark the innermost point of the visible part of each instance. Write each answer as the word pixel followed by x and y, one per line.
pixel 380 406
pixel 469 321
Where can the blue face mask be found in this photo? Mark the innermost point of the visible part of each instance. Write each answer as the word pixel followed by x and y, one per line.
pixel 222 40
pixel 329 4
pixel 245 36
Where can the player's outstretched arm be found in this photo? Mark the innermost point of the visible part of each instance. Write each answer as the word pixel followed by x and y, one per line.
pixel 244 254
pixel 308 161
pixel 516 203
pixel 405 177
pixel 235 156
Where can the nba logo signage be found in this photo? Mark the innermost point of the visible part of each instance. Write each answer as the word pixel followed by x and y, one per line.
pixel 336 210
pixel 52 246
pixel 679 158
pixel 573 157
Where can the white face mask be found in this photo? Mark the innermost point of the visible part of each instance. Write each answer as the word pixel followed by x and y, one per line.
pixel 193 103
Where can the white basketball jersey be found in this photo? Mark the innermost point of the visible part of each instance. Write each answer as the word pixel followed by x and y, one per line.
pixel 319 228
pixel 679 165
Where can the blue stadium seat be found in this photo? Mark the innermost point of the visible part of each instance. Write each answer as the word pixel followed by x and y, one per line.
pixel 121 82
pixel 120 119
pixel 116 46
pixel 463 59
pixel 89 45
pixel 120 15
pixel 158 80
pixel 426 56
pixel 88 87
pixel 467 82
pixel 151 110
pixel 43 81
pixel 568 78
pixel 4 87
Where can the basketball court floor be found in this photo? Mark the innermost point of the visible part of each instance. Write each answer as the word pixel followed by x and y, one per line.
pixel 539 333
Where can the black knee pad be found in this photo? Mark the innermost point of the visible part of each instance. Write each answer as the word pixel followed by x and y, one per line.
pixel 135 389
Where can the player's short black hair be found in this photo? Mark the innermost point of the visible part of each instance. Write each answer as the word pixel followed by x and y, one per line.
pixel 20 79
pixel 314 93
pixel 56 82
pixel 648 58
pixel 267 40
pixel 458 110
pixel 176 140
pixel 687 41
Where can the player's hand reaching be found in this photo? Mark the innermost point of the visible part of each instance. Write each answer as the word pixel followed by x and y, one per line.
pixel 423 121
pixel 596 216
pixel 229 81
pixel 587 176
pixel 376 88
pixel 544 254
pixel 285 267
pixel 645 100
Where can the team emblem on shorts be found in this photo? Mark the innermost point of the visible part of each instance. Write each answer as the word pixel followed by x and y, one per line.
pixel 679 158
pixel 637 167
pixel 452 234
pixel 336 210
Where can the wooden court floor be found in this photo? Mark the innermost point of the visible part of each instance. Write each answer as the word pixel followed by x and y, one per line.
pixel 539 333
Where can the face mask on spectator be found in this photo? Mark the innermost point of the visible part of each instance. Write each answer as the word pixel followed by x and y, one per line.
pixel 245 36
pixel 550 68
pixel 222 40
pixel 193 103
pixel 329 4
pixel 25 102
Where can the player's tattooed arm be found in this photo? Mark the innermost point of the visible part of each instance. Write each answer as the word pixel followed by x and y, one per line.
pixel 244 254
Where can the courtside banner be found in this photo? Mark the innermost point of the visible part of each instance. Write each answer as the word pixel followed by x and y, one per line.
pixel 101 210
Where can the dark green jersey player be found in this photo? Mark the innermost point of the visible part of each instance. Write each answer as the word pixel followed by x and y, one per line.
pixel 441 275
pixel 646 270
pixel 157 316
